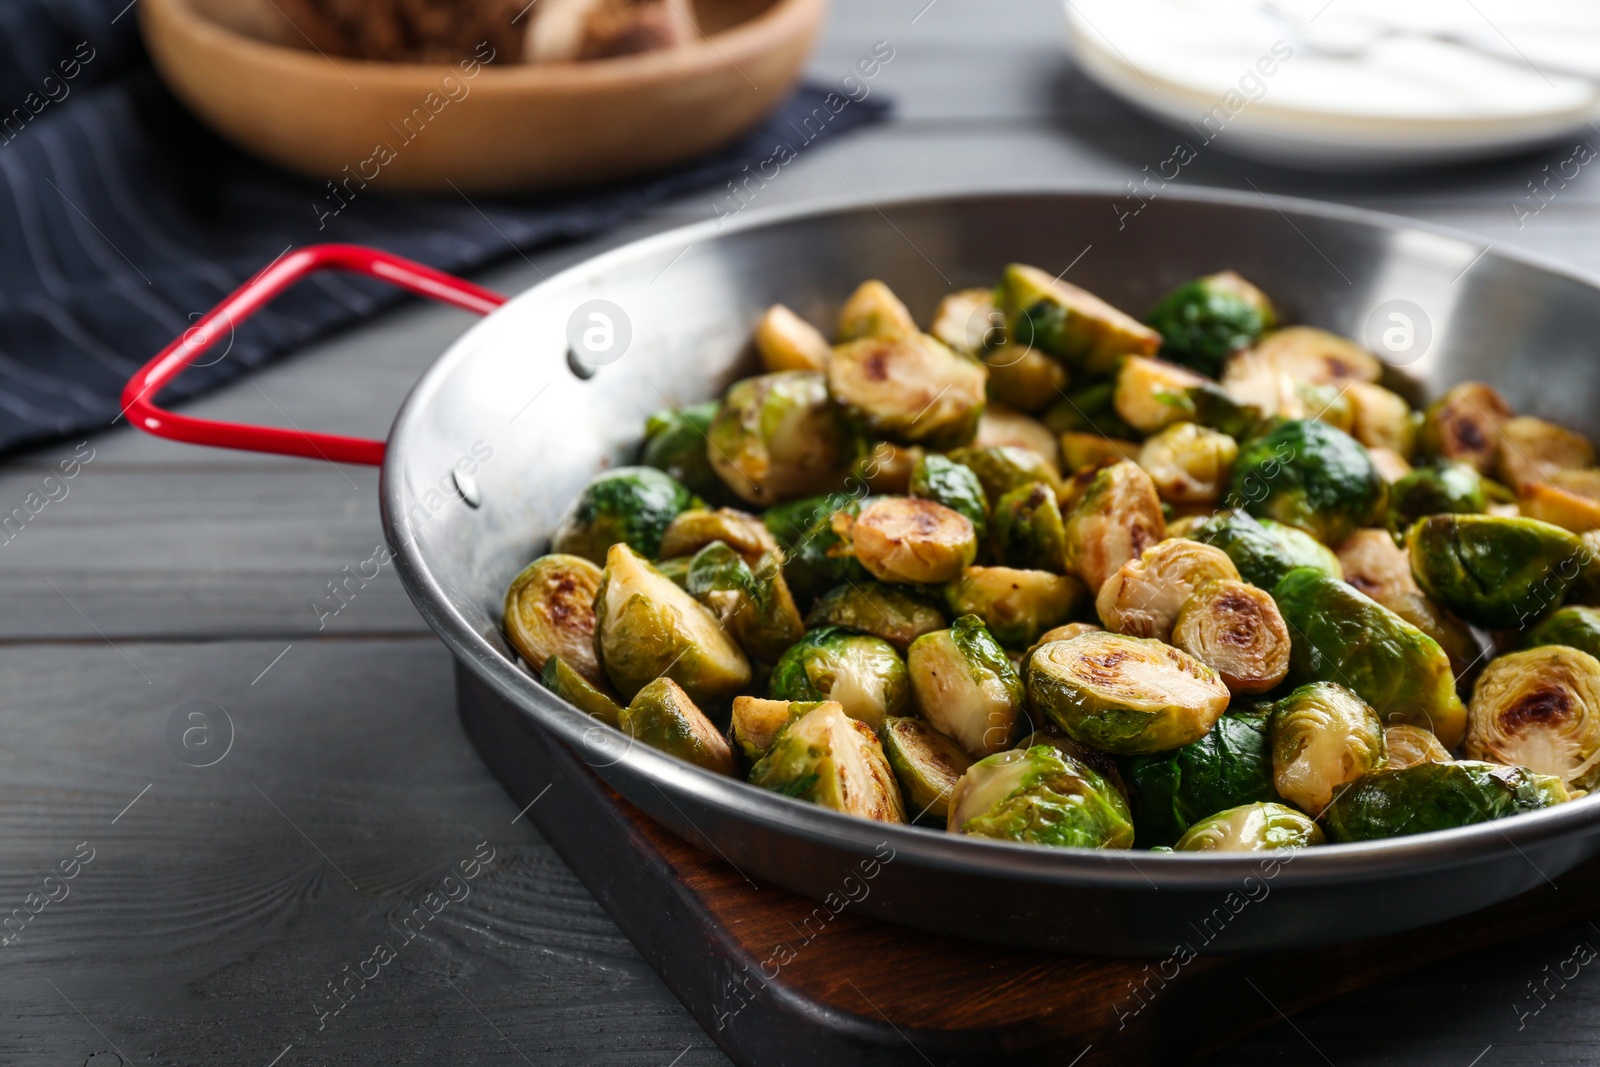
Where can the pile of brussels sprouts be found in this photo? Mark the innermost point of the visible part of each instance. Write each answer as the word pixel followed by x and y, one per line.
pixel 1045 573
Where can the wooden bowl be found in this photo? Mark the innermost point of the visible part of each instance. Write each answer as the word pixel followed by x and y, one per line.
pixel 499 128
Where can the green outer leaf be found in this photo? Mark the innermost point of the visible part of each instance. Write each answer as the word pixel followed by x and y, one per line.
pixel 578 691
pixel 1500 573
pixel 898 614
pixel 1061 803
pixel 813 661
pixel 632 505
pixel 675 442
pixel 940 479
pixel 1228 767
pixel 764 621
pixel 1574 626
pixel 1311 475
pixel 1265 551
pixel 1027 531
pixel 983 653
pixel 1436 796
pixel 1201 325
pixel 809 568
pixel 1440 488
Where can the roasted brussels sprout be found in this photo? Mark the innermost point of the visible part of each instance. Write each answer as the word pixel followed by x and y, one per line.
pixel 1444 487
pixel 1391 465
pixel 629 505
pixel 696 528
pixel 1017 606
pixel 910 388
pixel 1026 530
pixel 785 341
pixel 647 627
pixel 1539 709
pixel 752 603
pixel 1024 378
pixel 1498 573
pixel 755 722
pixel 1203 321
pixel 777 437
pixel 1064 321
pixel 1570 500
pixel 886 611
pixel 1041 796
pixel 1339 635
pixel 817 560
pixel 1091 409
pixel 1411 745
pixel 1143 597
pixel 965 686
pixel 874 311
pixel 941 479
pixel 968 322
pixel 1263 550
pixel 1080 450
pixel 927 764
pixel 1115 520
pixel 1323 737
pixel 861 672
pixel 1004 427
pixel 663 717
pixel 549 610
pixel 1189 464
pixel 1171 791
pixel 828 758
pixel 1125 695
pixel 1002 469
pixel 1436 796
pixel 1152 394
pixel 587 696
pixel 885 467
pixel 908 539
pixel 1465 424
pixel 1251 828
pixel 1380 418
pixel 675 442
pixel 1450 633
pixel 1235 629
pixel 1574 626
pixel 1377 566
pixel 793 522
pixel 1309 475
pixel 1531 450
pixel 1308 354
pixel 1059 633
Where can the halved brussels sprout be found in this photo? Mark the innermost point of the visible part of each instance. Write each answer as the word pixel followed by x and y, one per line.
pixel 1574 626
pixel 1016 605
pixel 1308 354
pixel 561 679
pixel 675 442
pixel 1464 425
pixel 908 387
pixel 1125 695
pixel 1495 572
pixel 1323 737
pixel 1115 520
pixel 1411 745
pixel 941 479
pixel 885 611
pixel 1188 463
pixel 1377 566
pixel 1152 394
pixel 1203 321
pixel 1437 796
pixel 791 523
pixel 549 610
pixel 1382 419
pixel 1235 629
pixel 663 717
pixel 1041 796
pixel 1391 465
pixel 1091 409
pixel 1026 530
pixel 1059 633
pixel 1024 378
pixel 1531 450
pixel 647 627
pixel 785 341
pixel 1263 550
pixel 1444 487
pixel 817 559
pixel 752 603
pixel 965 686
pixel 1080 450
pixel 696 528
pixel 874 311
pixel 1001 469
pixel 1171 791
pixel 1142 599
pixel 968 322
pixel 629 505
pixel 826 757
pixel 1342 636
pixel 908 539
pixel 1570 500
pixel 1003 427
pixel 1450 633
pixel 1539 709
pixel 756 723
pixel 777 437
pixel 1311 476
pixel 927 764
pixel 1069 323
pixel 1251 828
pixel 861 672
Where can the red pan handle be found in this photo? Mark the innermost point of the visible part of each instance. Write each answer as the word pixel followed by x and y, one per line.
pixel 138 396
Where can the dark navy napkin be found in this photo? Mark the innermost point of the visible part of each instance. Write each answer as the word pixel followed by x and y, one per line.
pixel 122 219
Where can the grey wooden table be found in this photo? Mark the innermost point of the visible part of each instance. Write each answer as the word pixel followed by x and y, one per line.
pixel 210 910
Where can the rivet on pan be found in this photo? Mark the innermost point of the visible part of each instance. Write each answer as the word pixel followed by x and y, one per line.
pixel 580 370
pixel 467 487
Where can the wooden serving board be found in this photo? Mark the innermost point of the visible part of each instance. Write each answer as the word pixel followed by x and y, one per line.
pixel 775 978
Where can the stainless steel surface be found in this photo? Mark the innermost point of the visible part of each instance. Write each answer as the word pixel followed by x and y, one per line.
pixel 692 295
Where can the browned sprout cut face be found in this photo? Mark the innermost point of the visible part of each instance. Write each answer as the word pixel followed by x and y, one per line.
pixel 908 387
pixel 1411 745
pixel 1308 354
pixel 907 539
pixel 785 341
pixel 778 437
pixel 1539 709
pixel 1374 564
pixel 1116 518
pixel 1145 595
pixel 927 764
pixel 1533 450
pixel 968 322
pixel 696 528
pixel 874 311
pixel 1236 630
pixel 549 611
pixel 1189 464
pixel 827 758
pixel 1004 427
pixel 1464 425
